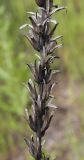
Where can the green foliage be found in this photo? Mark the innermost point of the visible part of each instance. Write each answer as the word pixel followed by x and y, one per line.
pixel 13 95
pixel 13 71
pixel 74 38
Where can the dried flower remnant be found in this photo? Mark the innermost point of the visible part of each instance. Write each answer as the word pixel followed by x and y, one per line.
pixel 40 36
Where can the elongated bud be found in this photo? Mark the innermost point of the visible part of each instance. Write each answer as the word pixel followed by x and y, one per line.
pixel 41 3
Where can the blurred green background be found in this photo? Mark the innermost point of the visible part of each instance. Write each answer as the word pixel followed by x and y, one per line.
pixel 16 52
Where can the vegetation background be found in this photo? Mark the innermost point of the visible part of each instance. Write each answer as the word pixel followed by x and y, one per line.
pixel 15 53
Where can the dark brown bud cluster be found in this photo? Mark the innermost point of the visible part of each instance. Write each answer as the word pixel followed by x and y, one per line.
pixel 41 3
pixel 40 36
pixel 44 3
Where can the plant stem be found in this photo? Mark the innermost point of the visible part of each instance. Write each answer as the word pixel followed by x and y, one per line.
pixel 40 36
pixel 39 150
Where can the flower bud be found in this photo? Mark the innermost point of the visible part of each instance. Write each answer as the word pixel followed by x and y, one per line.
pixel 41 3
